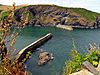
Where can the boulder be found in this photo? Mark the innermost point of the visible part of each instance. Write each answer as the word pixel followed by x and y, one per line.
pixel 45 57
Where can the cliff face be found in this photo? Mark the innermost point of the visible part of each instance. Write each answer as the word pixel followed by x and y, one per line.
pixel 53 15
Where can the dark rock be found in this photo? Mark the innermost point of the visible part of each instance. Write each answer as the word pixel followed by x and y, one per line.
pixel 63 21
pixel 34 12
pixel 44 57
pixel 73 16
pixel 97 21
pixel 76 24
pixel 37 22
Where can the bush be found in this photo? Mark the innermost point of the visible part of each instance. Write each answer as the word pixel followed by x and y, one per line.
pixel 75 63
pixel 9 31
pixel 4 14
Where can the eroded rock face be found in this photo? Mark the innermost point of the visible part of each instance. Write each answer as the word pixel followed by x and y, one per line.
pixel 45 57
pixel 52 15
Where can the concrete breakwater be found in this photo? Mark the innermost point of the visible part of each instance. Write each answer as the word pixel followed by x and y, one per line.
pixel 65 27
pixel 32 47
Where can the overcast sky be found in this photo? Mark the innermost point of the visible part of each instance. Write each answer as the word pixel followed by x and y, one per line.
pixel 93 5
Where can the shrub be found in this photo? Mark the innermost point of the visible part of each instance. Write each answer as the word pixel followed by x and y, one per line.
pixel 75 63
pixel 9 33
pixel 4 14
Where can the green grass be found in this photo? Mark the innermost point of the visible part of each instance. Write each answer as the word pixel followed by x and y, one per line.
pixel 4 14
pixel 75 63
pixel 89 15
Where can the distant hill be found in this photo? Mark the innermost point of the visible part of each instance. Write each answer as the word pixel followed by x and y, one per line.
pixel 54 15
pixel 6 7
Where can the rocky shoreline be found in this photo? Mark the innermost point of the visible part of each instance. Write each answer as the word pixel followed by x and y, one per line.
pixel 44 57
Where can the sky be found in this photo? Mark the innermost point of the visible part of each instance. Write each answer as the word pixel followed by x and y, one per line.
pixel 93 5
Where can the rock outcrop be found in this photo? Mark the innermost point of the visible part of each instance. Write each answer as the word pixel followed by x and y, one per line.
pixel 86 72
pixel 44 57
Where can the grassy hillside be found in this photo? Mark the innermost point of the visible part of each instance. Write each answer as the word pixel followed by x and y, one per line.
pixel 89 15
pixel 6 7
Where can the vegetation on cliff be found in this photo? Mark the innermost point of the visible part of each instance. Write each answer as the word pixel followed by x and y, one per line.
pixel 8 35
pixel 4 14
pixel 87 14
pixel 77 59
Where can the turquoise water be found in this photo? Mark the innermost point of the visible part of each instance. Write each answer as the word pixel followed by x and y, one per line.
pixel 60 45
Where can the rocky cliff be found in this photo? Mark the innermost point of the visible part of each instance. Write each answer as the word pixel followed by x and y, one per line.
pixel 52 15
